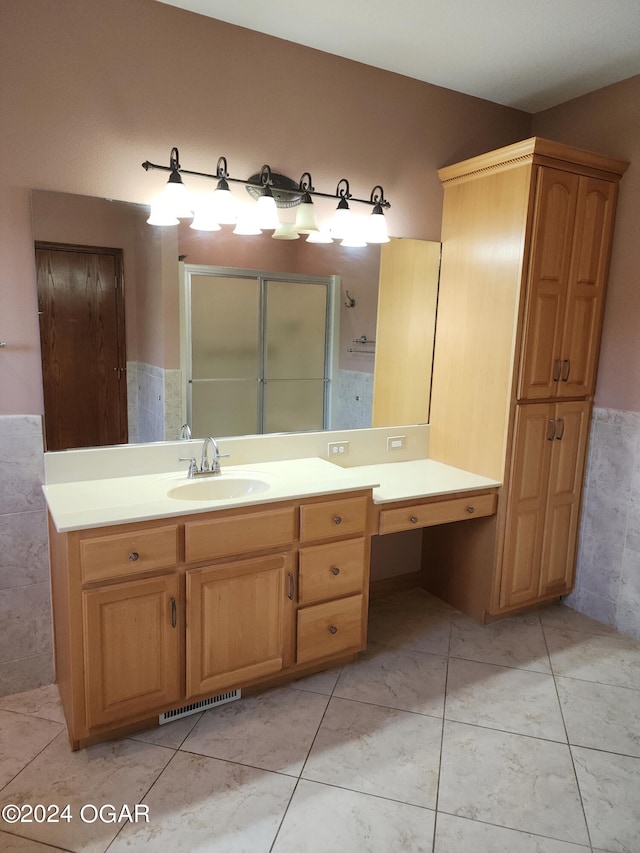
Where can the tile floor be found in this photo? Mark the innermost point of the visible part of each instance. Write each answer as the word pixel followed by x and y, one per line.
pixel 445 736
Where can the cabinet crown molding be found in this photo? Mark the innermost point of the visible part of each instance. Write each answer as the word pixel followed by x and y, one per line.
pixel 534 150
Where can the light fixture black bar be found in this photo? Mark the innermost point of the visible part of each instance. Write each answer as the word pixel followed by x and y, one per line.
pixel 383 202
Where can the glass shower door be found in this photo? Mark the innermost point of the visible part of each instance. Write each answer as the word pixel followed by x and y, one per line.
pixel 295 360
pixel 226 357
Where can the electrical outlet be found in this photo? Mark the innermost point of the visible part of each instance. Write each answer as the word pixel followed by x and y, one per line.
pixel 337 449
pixel 396 442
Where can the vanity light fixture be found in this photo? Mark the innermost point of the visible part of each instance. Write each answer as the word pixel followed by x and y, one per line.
pixel 271 191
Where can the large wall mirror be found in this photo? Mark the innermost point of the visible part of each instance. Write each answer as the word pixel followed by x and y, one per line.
pixel 109 281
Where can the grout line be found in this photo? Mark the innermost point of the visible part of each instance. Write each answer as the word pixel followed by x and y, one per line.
pixel 566 731
pixel 444 713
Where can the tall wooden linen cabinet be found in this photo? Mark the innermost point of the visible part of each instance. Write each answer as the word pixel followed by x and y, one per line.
pixel 526 239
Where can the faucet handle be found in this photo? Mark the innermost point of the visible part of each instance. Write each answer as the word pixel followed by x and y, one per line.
pixel 193 465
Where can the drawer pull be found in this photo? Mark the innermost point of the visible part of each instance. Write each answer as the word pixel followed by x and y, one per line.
pixel 133 556
pixel 337 520
pixel 291 586
pixel 174 613
pixel 471 509
pixel 333 629
pixel 414 519
pixel 335 571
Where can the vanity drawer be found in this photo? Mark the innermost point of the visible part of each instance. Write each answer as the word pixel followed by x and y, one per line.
pixel 239 534
pixel 128 553
pixel 332 570
pixel 439 512
pixel 342 517
pixel 329 629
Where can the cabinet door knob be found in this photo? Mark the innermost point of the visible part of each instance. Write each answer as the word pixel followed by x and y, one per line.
pixel 471 509
pixel 551 429
pixel 133 556
pixel 333 629
pixel 335 570
pixel 337 520
pixel 560 429
pixel 291 586
pixel 557 370
pixel 566 367
pixel 174 613
pixel 413 519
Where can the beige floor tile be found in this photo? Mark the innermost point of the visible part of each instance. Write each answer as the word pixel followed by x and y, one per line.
pixel 396 678
pixel 321 682
pixel 610 788
pixel 203 804
pixel 359 823
pixel 613 659
pixel 273 730
pixel 460 835
pixel 565 618
pixel 411 624
pixel 510 780
pixel 380 751
pixel 112 773
pixel 42 702
pixel 512 642
pixel 21 739
pixel 171 734
pixel 601 716
pixel 513 700
pixel 15 844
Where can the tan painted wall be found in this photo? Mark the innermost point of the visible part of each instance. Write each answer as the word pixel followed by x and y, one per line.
pixel 91 88
pixel 609 121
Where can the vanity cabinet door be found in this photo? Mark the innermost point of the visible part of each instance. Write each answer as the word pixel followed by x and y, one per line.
pixel 238 619
pixel 131 649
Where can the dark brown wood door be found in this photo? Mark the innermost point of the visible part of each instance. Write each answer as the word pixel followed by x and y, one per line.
pixel 81 308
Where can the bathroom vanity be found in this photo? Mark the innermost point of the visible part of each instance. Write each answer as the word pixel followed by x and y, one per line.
pixel 205 596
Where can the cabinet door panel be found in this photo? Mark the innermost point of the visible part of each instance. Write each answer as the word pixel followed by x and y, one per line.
pixel 587 281
pixel 526 514
pixel 563 501
pixel 556 197
pixel 235 622
pixel 132 649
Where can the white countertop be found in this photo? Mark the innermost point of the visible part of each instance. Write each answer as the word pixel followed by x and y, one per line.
pixel 119 500
pixel 401 481
pixel 85 504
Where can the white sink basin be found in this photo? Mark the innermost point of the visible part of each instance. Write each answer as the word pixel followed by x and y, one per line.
pixel 217 489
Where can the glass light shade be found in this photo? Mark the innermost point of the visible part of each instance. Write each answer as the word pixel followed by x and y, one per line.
pixel 161 215
pixel 267 213
pixel 354 237
pixel 204 218
pixel 285 231
pixel 319 237
pixel 340 222
pixel 306 217
pixel 176 197
pixel 375 230
pixel 247 224
pixel 224 205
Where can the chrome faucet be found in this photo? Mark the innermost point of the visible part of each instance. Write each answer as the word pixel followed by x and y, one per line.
pixel 214 468
pixel 205 469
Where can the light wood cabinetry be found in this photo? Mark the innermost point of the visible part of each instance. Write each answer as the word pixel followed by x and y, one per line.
pixel 407 299
pixel 527 232
pixel 544 501
pixel 154 615
pixel 235 622
pixel 131 648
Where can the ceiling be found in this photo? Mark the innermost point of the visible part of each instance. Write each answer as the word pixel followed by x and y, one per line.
pixel 528 54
